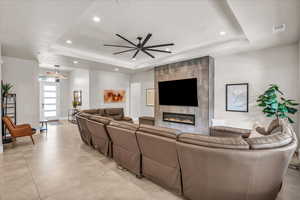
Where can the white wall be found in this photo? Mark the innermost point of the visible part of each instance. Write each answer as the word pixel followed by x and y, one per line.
pixel 278 65
pixel 23 74
pixel 142 81
pixel 105 80
pixel 65 98
pixel 79 79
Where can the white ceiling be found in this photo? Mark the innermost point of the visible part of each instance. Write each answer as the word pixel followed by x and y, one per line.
pixel 38 29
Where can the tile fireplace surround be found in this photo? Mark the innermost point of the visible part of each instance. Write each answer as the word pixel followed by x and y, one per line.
pixel 200 68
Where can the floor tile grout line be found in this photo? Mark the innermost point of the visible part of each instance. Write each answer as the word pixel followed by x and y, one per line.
pixel 35 185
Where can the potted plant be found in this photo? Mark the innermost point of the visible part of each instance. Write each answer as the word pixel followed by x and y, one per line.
pixel 75 104
pixel 6 87
pixel 274 104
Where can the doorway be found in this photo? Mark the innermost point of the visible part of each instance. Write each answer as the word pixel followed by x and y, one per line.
pixel 49 100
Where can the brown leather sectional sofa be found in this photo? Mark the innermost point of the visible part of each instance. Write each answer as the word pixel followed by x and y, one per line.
pixel 194 165
pixel 113 113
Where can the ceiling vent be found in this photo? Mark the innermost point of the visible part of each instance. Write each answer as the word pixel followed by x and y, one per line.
pixel 279 28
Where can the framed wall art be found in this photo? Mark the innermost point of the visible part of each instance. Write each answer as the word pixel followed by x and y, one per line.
pixel 237 97
pixel 150 97
pixel 114 96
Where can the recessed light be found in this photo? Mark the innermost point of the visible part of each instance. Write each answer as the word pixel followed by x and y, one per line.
pixel 116 69
pixel 133 59
pixel 69 41
pixel 222 33
pixel 167 49
pixel 75 62
pixel 96 19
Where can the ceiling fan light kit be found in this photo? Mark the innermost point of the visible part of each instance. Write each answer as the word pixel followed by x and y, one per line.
pixel 140 46
pixel 56 74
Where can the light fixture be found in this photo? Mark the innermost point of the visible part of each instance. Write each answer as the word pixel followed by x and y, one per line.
pixel 69 41
pixel 134 59
pixel 56 73
pixel 96 19
pixel 222 33
pixel 75 62
pixel 116 69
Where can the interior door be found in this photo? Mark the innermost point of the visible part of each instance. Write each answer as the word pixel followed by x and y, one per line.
pixel 49 99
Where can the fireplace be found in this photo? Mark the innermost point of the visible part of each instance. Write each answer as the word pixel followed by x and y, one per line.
pixel 179 118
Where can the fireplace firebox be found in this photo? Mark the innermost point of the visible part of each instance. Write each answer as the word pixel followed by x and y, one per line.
pixel 179 118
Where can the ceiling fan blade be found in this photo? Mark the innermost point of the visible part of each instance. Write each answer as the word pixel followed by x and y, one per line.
pixel 136 53
pixel 120 36
pixel 162 51
pixel 149 54
pixel 113 45
pixel 159 45
pixel 146 39
pixel 125 51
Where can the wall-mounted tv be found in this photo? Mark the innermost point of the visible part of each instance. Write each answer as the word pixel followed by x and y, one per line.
pixel 178 93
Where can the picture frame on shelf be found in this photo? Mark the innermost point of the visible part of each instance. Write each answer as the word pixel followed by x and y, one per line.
pixel 237 97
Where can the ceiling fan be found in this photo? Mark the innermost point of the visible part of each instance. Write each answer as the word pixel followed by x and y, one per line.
pixel 56 73
pixel 140 46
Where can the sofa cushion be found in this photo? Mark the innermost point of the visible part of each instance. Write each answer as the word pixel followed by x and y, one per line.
pixel 274 140
pixel 103 120
pixel 114 111
pixel 91 111
pixel 160 131
pixel 124 125
pixel 101 112
pixel 273 127
pixel 210 141
pixel 85 115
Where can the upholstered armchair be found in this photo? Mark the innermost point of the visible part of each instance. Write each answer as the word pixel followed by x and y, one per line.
pixel 18 130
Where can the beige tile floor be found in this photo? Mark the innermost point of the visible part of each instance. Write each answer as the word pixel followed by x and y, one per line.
pixel 61 167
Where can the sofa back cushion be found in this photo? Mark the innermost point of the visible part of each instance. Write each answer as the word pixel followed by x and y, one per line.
pixel 159 131
pixel 216 142
pixel 101 112
pixel 124 125
pixel 91 111
pixel 159 156
pixel 100 119
pixel 115 113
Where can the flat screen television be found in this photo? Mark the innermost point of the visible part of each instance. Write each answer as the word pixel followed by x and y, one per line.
pixel 178 93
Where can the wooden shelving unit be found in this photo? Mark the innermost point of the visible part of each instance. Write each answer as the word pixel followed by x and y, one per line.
pixel 9 108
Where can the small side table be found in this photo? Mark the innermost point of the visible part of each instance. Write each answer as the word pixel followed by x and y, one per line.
pixel 71 115
pixel 44 126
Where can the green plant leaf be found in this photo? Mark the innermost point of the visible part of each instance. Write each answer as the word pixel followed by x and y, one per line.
pixel 290 120
pixel 291 110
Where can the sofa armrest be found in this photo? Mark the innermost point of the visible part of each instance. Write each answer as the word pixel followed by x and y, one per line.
pixel 128 119
pixel 23 125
